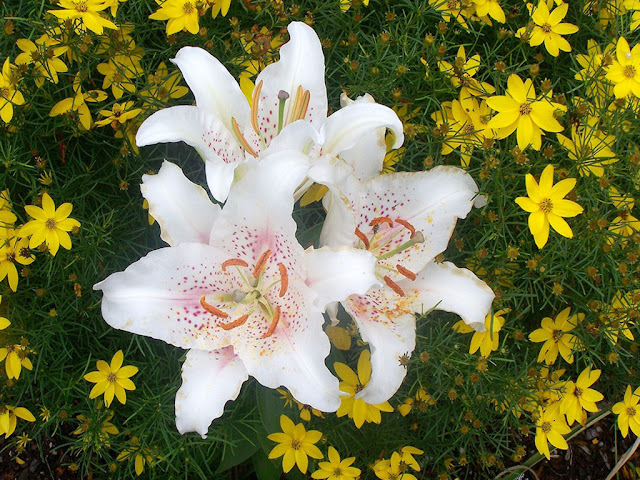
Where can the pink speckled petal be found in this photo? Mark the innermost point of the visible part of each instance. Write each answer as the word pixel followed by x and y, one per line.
pixel 430 201
pixel 199 129
pixel 209 381
pixel 386 320
pixel 159 296
pixel 182 208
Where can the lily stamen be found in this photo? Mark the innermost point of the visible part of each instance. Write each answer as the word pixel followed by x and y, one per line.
pixel 380 220
pixel 282 97
pixel 212 310
pixel 233 262
pixel 241 140
pixel 406 272
pixel 284 279
pixel 417 238
pixel 363 238
pixel 393 286
pixel 406 225
pixel 236 323
pixel 274 323
pixel 262 261
pixel 254 108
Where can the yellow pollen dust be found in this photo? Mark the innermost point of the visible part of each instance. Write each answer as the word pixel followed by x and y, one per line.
pixel 295 444
pixel 112 378
pixel 337 472
pixel 557 335
pixel 546 28
pixel 546 205
pixel 188 8
pixel 631 411
pixel 451 4
pixel 525 108
pixel 546 427
pixel 577 392
pixel 629 71
pixel 81 6
pixel 50 223
pixel 5 92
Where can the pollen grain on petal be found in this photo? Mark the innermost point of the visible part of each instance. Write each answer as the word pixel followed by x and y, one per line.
pixel 213 310
pixel 233 262
pixel 262 261
pixel 235 323
pixel 274 323
pixel 393 286
pixel 406 272
pixel 406 225
pixel 363 238
pixel 380 220
pixel 284 279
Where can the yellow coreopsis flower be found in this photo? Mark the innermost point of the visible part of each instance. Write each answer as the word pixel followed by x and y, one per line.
pixel 421 401
pixel 13 250
pixel 491 8
pixel 590 148
pixel 162 88
pixel 556 337
pixel 624 224
pixel 336 469
pixel 520 111
pixel 393 469
pixel 618 315
pixel 9 418
pixel 140 455
pixel 462 72
pixel 49 225
pixel 624 73
pixel 295 444
pixel 112 379
pixel 578 398
pixel 593 71
pixel 181 15
pixel 87 11
pixel 78 105
pixel 96 432
pixel 547 205
pixel 548 29
pixel 353 407
pixel 119 114
pixel 489 340
pixel 9 94
pixel 15 357
pixel 550 428
pixel 628 412
pixel 118 73
pixel 44 55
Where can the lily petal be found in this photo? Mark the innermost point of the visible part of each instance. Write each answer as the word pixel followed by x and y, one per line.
pixel 209 380
pixel 387 322
pixel 181 208
pixel 214 88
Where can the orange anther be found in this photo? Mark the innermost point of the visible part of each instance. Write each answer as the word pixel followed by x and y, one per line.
pixel 232 262
pixel 406 272
pixel 393 286
pixel 379 220
pixel 406 225
pixel 284 279
pixel 262 261
pixel 363 238
pixel 213 310
pixel 235 323
pixel 274 323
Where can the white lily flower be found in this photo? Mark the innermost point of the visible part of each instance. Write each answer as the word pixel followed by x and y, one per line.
pixel 226 130
pixel 405 220
pixel 237 289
